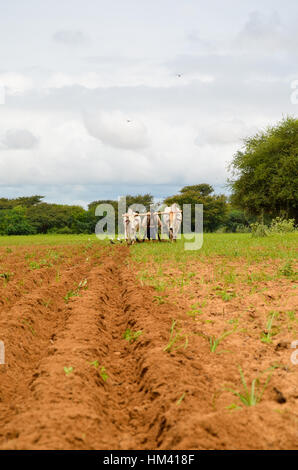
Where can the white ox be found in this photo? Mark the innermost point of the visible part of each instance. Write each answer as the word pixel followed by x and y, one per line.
pixel 151 223
pixel 172 219
pixel 132 224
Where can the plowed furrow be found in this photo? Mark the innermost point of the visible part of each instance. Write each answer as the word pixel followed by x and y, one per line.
pixel 68 403
pixel 28 330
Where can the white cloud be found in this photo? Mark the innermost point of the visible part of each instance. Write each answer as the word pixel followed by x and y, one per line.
pixel 117 129
pixel 18 139
pixel 224 132
pixel 15 83
pixel 70 37
pixel 59 80
pixel 153 99
pixel 128 74
pixel 266 33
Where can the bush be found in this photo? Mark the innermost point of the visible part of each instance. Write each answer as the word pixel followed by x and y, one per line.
pixel 281 225
pixel 259 230
pixel 242 229
pixel 234 218
pixel 221 229
pixel 19 228
pixel 15 222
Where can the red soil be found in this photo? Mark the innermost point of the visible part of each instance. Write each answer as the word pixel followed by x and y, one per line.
pixel 137 407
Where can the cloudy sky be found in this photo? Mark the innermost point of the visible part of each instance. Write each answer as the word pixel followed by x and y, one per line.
pixel 101 98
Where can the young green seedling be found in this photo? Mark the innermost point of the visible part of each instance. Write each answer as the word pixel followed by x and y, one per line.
pixel 75 293
pixel 6 276
pixel 266 336
pixel 194 311
pixel 95 364
pixel 131 336
pixel 250 397
pixel 175 337
pixel 214 342
pixel 71 293
pixel 233 406
pixel 83 284
pixel 159 299
pixel 103 374
pixel 287 270
pixel 102 371
pixel 68 370
pixel 178 402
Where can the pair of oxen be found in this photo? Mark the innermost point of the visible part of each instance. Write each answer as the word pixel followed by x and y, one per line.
pixel 167 222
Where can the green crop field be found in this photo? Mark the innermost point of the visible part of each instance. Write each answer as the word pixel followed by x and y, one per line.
pixel 47 239
pixel 231 245
pixel 205 334
pixel 225 244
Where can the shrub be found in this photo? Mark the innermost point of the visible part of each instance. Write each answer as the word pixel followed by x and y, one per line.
pixel 221 229
pixel 281 225
pixel 242 229
pixel 15 222
pixel 259 230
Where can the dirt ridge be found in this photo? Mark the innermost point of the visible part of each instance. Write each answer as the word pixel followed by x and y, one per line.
pixel 151 399
pixel 61 411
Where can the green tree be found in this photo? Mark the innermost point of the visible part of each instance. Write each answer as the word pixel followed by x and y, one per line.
pixel 50 217
pixel 27 201
pixel 215 206
pixel 14 222
pixel 84 222
pixel 144 199
pixel 265 172
pixel 202 189
pixel 236 219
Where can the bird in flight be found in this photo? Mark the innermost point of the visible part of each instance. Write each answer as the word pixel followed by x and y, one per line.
pixel 179 75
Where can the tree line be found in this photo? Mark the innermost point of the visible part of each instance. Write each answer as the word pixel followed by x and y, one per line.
pixel 264 185
pixel 30 215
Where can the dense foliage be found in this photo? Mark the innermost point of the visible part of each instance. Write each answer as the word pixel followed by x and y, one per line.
pixel 215 207
pixel 30 215
pixel 265 181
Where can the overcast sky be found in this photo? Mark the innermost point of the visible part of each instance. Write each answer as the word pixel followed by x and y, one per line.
pixel 103 98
